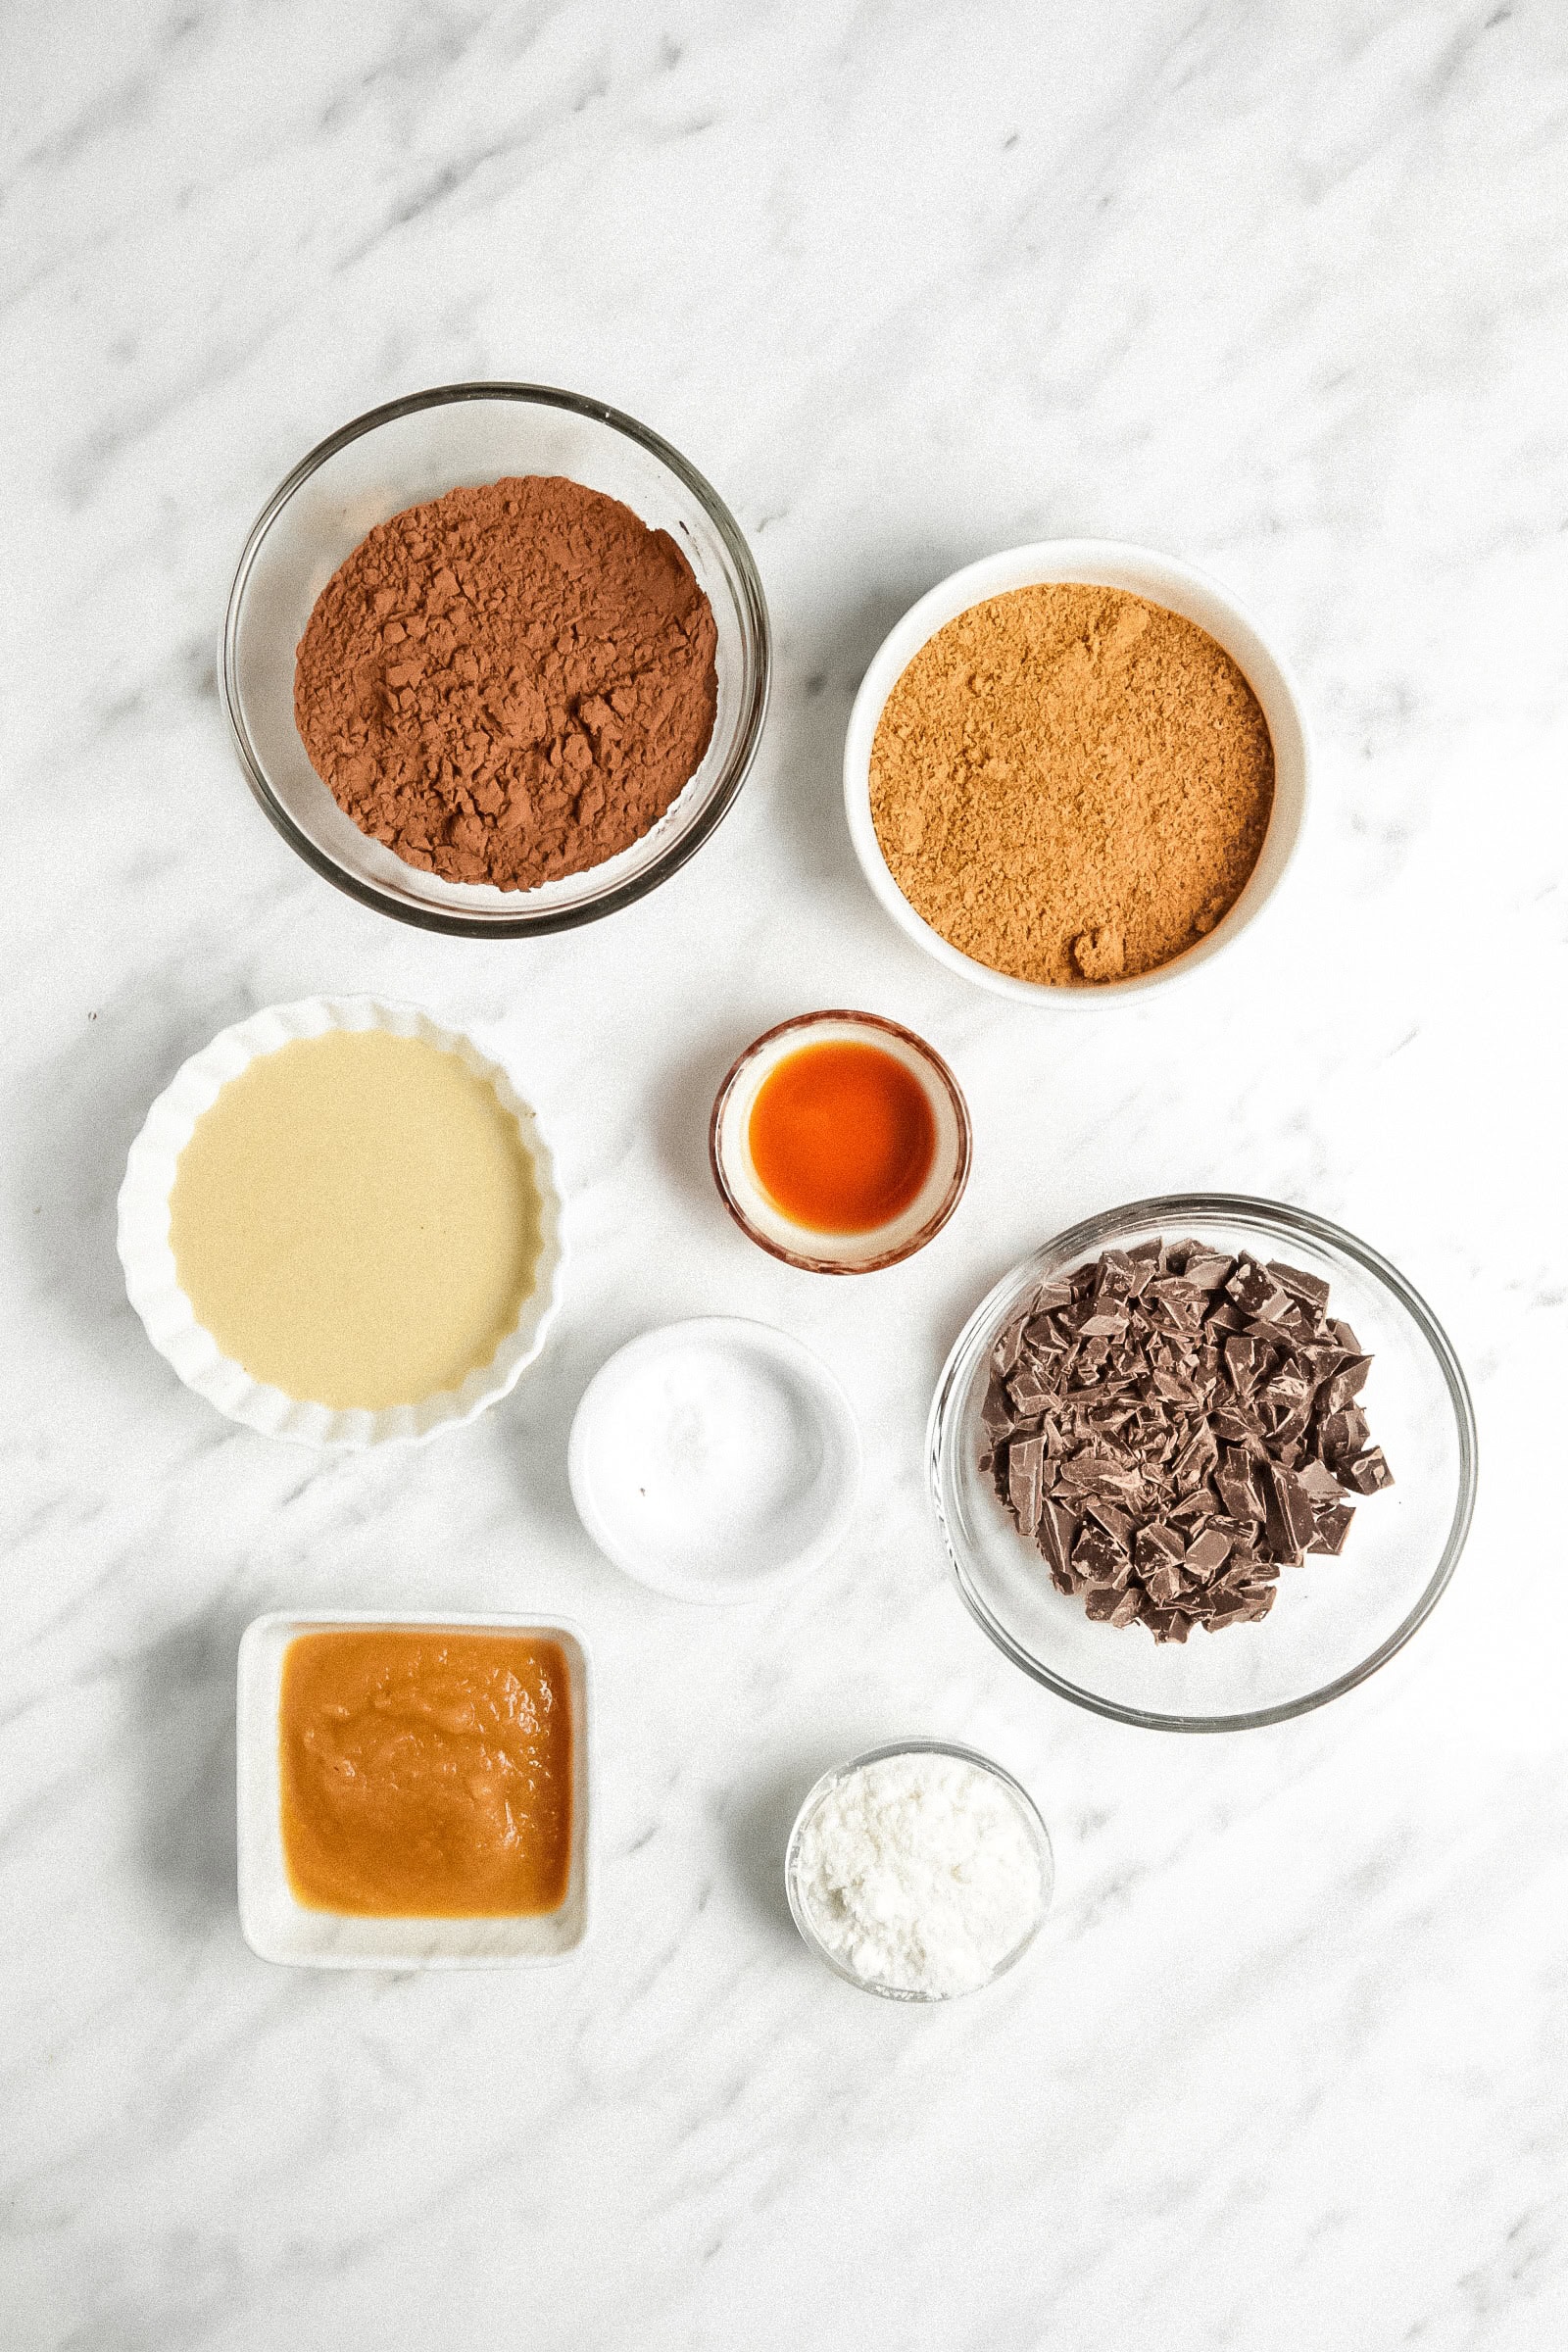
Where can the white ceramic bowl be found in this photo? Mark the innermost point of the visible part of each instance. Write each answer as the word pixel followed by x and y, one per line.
pixel 743 1193
pixel 152 1280
pixel 1102 563
pixel 654 1446
pixel 278 1928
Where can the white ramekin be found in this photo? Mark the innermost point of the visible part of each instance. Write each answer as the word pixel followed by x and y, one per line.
pixel 153 1282
pixel 279 1927
pixel 1100 563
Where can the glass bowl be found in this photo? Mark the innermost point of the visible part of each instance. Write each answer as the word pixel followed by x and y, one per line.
pixel 397 457
pixel 742 1191
pixel 1336 1620
pixel 879 1755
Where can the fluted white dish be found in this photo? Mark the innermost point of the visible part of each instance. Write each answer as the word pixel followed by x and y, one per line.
pixel 152 1278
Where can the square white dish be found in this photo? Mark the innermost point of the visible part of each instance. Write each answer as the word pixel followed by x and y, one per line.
pixel 280 1928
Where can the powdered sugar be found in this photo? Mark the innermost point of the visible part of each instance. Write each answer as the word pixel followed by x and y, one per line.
pixel 920 1872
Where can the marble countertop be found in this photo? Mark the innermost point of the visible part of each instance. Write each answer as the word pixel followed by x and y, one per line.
pixel 1278 290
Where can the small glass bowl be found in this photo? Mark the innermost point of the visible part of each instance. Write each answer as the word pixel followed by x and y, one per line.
pixel 730 1158
pixel 1336 1620
pixel 400 456
pixel 880 1755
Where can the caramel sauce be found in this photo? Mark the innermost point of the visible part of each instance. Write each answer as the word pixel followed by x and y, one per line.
pixel 427 1773
pixel 841 1137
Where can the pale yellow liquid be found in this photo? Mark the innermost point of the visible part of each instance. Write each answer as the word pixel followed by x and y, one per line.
pixel 356 1220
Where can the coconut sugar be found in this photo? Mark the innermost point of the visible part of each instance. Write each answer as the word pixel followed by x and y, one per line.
pixel 1071 784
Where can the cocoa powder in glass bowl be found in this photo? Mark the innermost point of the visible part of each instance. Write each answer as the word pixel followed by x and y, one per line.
pixel 509 683
pixel 412 453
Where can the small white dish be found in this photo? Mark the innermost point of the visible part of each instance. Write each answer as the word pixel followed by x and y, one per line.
pixel 1140 571
pixel 716 1459
pixel 278 1928
pixel 739 1188
pixel 152 1280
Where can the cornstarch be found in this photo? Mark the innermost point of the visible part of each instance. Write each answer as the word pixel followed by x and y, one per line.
pixel 920 1872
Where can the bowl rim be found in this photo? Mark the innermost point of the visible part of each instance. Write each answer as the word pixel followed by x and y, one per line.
pixel 772 1340
pixel 1096 563
pixel 453 922
pixel 916 1746
pixel 807 1264
pixel 1199 1208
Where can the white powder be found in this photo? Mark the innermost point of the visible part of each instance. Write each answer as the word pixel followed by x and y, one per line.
pixel 920 1872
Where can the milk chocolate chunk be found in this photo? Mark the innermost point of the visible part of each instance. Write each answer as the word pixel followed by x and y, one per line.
pixel 1005 1354
pixel 1311 1289
pixel 1369 1473
pixel 1331 1524
pixel 1025 1456
pixel 1208 1549
pixel 1169 1426
pixel 1341 1434
pixel 1347 1382
pixel 1164 1583
pixel 1206 1271
pixel 1099 1558
pixel 1320 1483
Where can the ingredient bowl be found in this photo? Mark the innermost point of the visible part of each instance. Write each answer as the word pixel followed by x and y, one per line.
pixel 152 1278
pixel 1140 571
pixel 1336 1619
pixel 762 1220
pixel 799 1893
pixel 277 1926
pixel 398 457
pixel 716 1459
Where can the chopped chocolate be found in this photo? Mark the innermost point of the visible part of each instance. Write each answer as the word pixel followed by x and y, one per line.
pixel 1025 1456
pixel 1054 1535
pixel 1168 1427
pixel 1289 1514
pixel 1319 1482
pixel 1347 1382
pixel 1341 1434
pixel 1312 1290
pixel 1005 1354
pixel 1099 1558
pixel 1369 1473
pixel 1331 1524
pixel 1208 1549
pixel 1118 1524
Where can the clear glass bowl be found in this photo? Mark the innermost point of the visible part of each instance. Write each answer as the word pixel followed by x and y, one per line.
pixel 1336 1620
pixel 417 449
pixel 801 1917
pixel 880 1755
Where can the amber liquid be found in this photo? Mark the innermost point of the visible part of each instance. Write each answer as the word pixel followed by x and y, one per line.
pixel 841 1137
pixel 426 1773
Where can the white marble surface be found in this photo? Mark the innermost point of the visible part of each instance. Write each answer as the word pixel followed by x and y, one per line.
pixel 1279 289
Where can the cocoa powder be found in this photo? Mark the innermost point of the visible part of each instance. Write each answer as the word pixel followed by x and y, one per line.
pixel 1071 784
pixel 511 683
